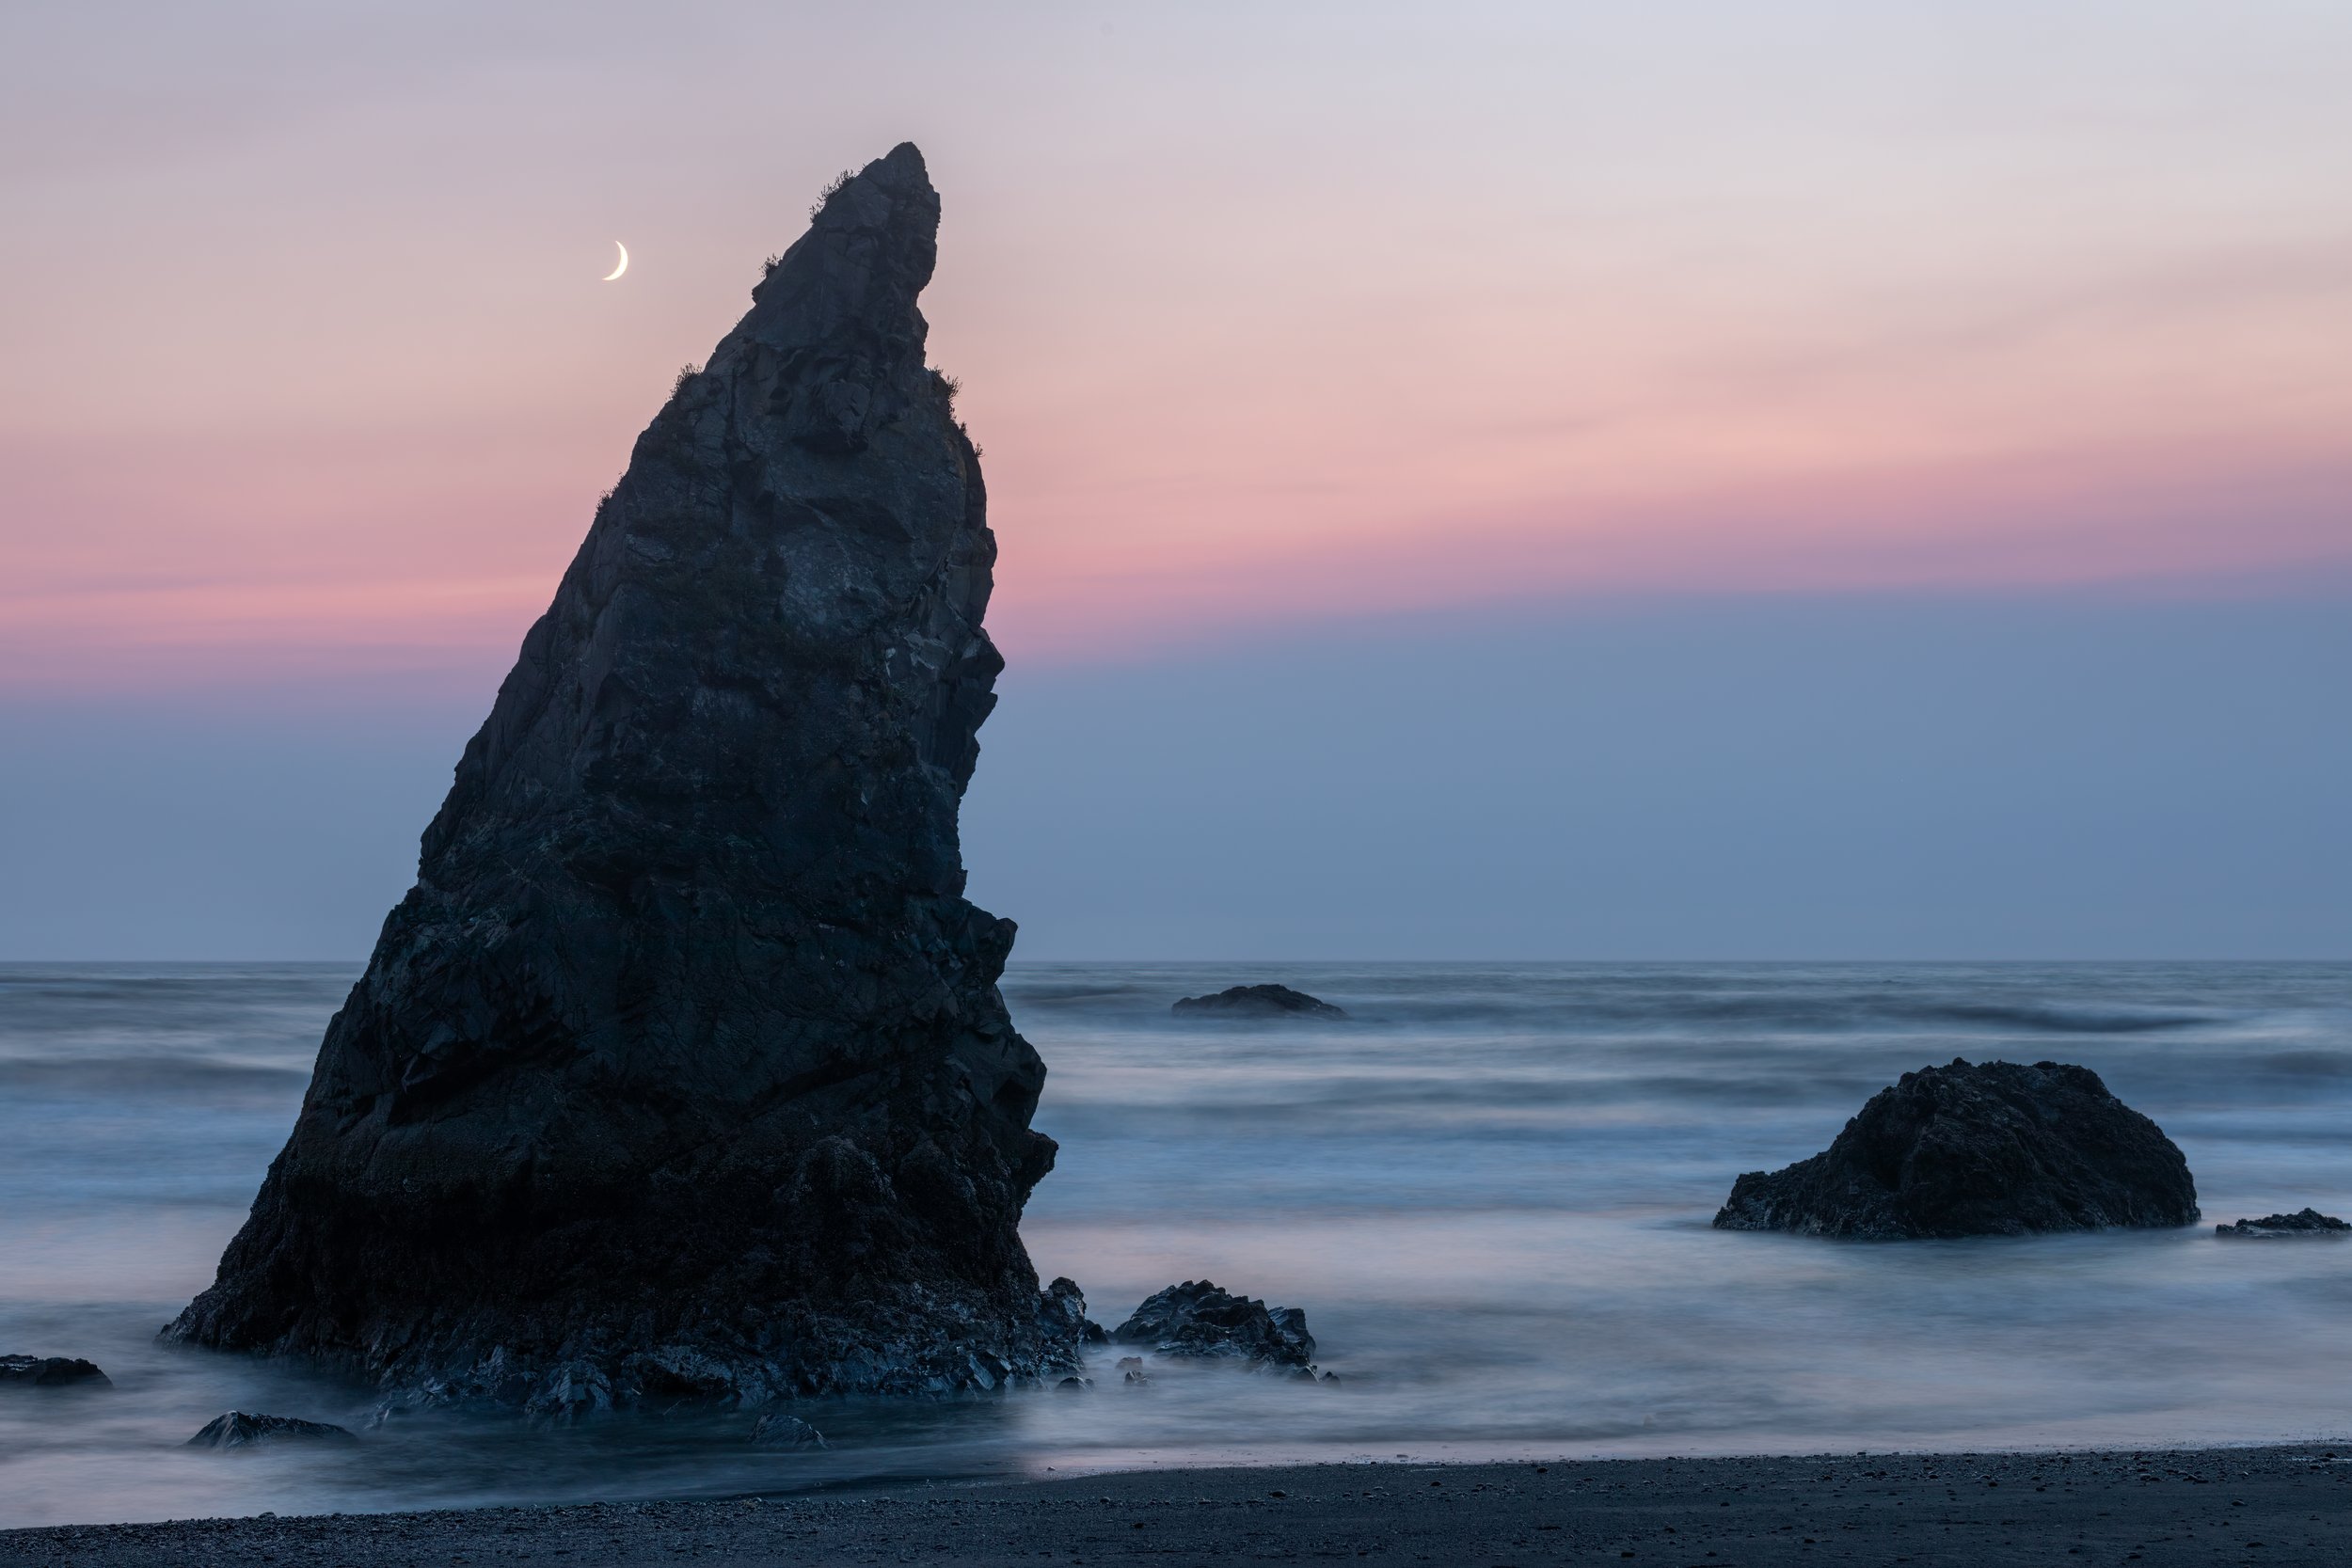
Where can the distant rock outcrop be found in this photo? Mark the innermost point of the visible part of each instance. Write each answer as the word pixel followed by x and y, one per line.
pixel 2304 1222
pixel 1196 1319
pixel 51 1371
pixel 1257 1002
pixel 1996 1149
pixel 237 1429
pixel 682 1075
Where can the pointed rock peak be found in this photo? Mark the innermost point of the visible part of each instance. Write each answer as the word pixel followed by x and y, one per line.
pixel 899 174
pixel 891 194
pixel 872 240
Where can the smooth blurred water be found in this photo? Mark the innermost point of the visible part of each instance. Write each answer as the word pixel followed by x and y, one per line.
pixel 1489 1188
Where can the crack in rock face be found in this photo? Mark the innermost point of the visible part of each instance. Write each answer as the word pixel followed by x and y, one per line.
pixel 681 1076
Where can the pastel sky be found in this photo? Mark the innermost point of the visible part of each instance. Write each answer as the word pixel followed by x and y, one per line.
pixel 1695 478
pixel 1264 313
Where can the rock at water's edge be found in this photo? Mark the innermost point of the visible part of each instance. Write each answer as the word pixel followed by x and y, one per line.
pixel 777 1430
pixel 51 1371
pixel 681 1076
pixel 1062 1315
pixel 2306 1222
pixel 1196 1319
pixel 237 1429
pixel 1996 1149
pixel 1268 1001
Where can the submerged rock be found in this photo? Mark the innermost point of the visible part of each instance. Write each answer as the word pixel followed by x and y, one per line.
pixel 51 1371
pixel 682 1074
pixel 1267 1000
pixel 237 1429
pixel 1996 1149
pixel 2304 1222
pixel 1196 1319
pixel 777 1430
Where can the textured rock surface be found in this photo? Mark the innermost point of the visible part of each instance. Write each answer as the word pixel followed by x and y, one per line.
pixel 1196 1319
pixel 1995 1149
pixel 779 1430
pixel 51 1371
pixel 237 1429
pixel 682 1076
pixel 1260 1000
pixel 2304 1222
pixel 1062 1313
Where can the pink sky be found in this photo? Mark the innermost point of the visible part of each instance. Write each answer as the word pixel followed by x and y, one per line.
pixel 304 364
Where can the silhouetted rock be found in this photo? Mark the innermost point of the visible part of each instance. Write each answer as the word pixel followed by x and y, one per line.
pixel 51 1371
pixel 1062 1313
pixel 2304 1222
pixel 1196 1319
pixel 777 1430
pixel 1996 1149
pixel 237 1429
pixel 1257 1002
pixel 682 1075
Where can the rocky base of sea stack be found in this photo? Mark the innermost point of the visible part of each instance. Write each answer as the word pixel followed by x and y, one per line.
pixel 920 1345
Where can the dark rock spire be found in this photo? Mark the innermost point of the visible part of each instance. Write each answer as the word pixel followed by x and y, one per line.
pixel 682 1071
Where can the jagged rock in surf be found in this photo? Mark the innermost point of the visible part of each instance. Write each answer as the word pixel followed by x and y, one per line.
pixel 2304 1222
pixel 1992 1150
pixel 682 1075
pixel 780 1430
pixel 1062 1313
pixel 237 1429
pixel 1267 1000
pixel 51 1371
pixel 1197 1319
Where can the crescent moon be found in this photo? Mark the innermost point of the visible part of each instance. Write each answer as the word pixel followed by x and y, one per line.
pixel 622 267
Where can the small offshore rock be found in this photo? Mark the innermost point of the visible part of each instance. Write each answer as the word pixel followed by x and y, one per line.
pixel 1073 1385
pixel 1990 1150
pixel 51 1371
pixel 237 1429
pixel 2305 1222
pixel 1257 1002
pixel 1196 1319
pixel 777 1430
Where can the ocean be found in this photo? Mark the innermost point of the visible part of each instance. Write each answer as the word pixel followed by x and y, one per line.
pixel 1489 1190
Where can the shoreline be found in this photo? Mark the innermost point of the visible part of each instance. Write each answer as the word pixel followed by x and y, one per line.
pixel 2277 1504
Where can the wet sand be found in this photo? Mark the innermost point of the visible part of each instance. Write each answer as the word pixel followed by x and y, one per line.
pixel 2270 1506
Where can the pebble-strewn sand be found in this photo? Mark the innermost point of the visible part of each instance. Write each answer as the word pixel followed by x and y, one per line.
pixel 2269 1506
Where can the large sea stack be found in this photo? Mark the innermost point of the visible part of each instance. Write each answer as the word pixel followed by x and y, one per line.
pixel 682 1073
pixel 1992 1149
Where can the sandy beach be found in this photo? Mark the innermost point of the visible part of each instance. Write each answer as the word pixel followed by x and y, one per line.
pixel 2272 1506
